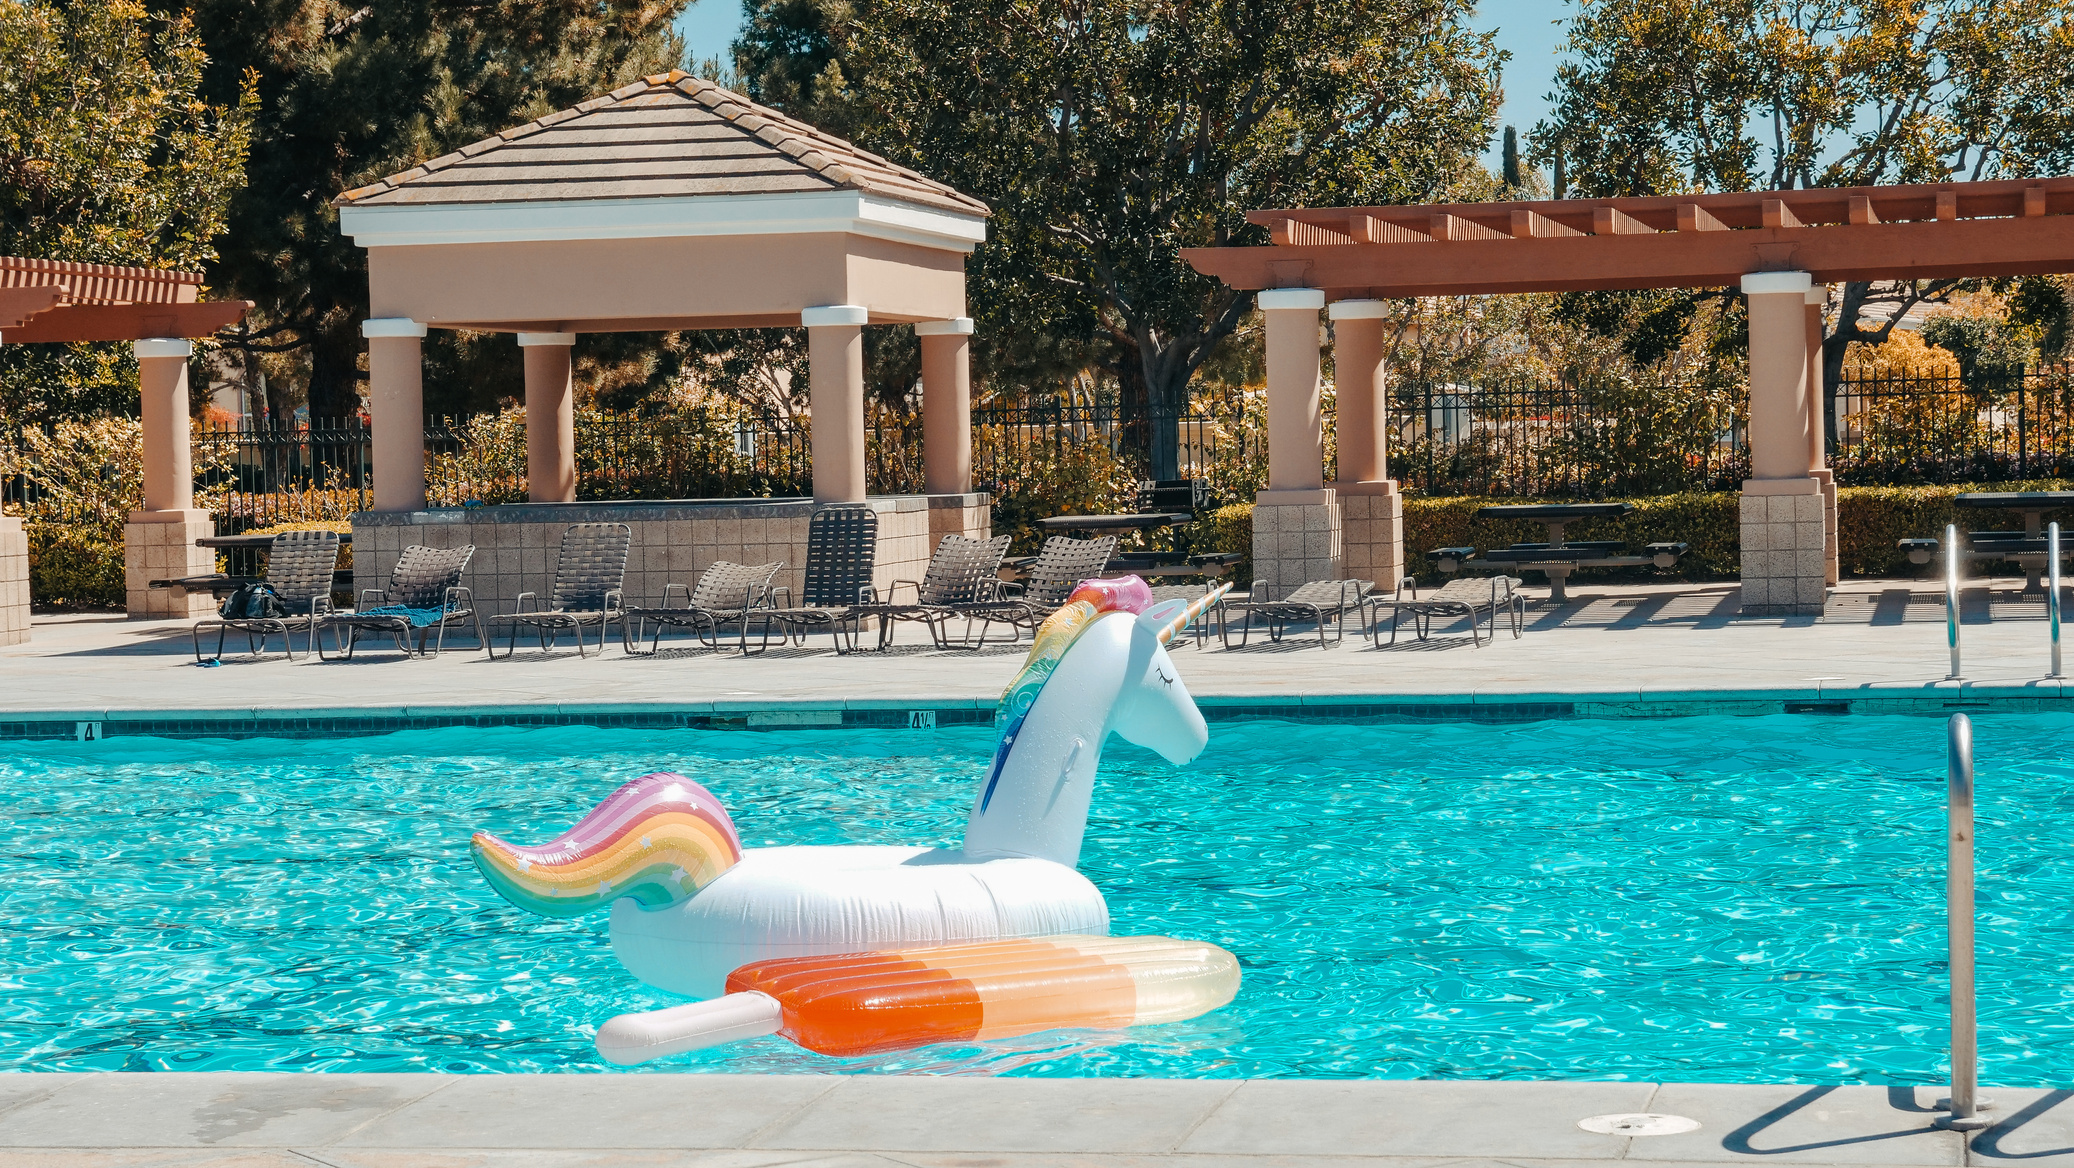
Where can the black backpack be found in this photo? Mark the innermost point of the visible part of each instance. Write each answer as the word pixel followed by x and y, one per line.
pixel 252 602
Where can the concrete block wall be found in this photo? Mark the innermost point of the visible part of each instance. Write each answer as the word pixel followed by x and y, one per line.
pixel 1294 543
pixel 159 545
pixel 1785 558
pixel 1372 537
pixel 516 546
pixel 14 581
pixel 970 515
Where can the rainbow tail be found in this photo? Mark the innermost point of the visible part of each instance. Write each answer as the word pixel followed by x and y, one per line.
pixel 658 839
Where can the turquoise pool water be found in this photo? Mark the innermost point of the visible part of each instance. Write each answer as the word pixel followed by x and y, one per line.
pixel 1700 899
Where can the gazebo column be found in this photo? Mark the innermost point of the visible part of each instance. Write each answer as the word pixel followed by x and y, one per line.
pixel 1818 432
pixel 396 410
pixel 1296 520
pixel 835 361
pixel 158 541
pixel 1785 566
pixel 947 430
pixel 1371 510
pixel 550 418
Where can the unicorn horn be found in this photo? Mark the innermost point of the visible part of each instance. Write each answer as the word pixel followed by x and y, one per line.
pixel 1194 610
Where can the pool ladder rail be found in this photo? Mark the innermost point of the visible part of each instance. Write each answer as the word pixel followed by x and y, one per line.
pixel 1964 1106
pixel 1951 597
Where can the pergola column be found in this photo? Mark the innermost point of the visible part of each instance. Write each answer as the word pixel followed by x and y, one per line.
pixel 1818 432
pixel 1296 520
pixel 550 418
pixel 1785 566
pixel 835 362
pixel 1371 510
pixel 947 430
pixel 396 410
pixel 158 541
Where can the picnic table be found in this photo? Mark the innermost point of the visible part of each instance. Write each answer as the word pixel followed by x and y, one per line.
pixel 1149 564
pixel 2027 547
pixel 1143 521
pixel 1557 558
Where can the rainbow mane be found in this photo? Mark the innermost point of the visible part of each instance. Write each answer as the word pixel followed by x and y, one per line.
pixel 658 839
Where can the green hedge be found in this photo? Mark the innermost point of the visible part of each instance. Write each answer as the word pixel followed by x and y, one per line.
pixel 1869 522
pixel 73 567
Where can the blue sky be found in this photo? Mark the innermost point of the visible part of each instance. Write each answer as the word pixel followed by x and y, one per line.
pixel 1526 28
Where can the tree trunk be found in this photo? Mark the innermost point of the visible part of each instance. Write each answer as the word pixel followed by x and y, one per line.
pixel 1836 344
pixel 334 369
pixel 1166 397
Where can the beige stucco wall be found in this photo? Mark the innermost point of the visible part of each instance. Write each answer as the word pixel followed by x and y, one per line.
pixel 556 286
pixel 14 581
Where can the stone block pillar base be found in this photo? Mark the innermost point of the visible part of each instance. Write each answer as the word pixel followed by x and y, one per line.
pixel 1297 538
pixel 1372 531
pixel 159 545
pixel 970 515
pixel 14 581
pixel 1785 541
pixel 1829 528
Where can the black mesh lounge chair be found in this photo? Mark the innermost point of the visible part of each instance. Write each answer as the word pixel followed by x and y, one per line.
pixel 1468 596
pixel 1191 592
pixel 964 572
pixel 424 596
pixel 588 576
pixel 299 566
pixel 1062 563
pixel 726 593
pixel 842 552
pixel 1322 602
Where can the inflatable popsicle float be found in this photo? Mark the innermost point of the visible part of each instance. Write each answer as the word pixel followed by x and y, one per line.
pixel 852 949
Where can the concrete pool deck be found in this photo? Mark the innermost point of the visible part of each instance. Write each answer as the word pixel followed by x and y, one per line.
pixel 1878 641
pixel 725 1121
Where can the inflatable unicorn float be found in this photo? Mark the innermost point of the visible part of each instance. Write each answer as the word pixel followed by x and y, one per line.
pixel 855 949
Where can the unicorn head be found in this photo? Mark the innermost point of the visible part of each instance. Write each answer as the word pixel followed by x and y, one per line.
pixel 1098 664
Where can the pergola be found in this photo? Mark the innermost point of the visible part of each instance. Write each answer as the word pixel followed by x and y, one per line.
pixel 159 311
pixel 1778 247
pixel 668 204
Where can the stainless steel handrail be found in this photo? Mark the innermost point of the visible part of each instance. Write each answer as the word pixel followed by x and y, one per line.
pixel 1965 1104
pixel 1951 595
pixel 2052 594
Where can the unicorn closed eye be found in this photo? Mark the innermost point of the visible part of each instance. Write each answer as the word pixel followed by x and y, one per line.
pixel 690 904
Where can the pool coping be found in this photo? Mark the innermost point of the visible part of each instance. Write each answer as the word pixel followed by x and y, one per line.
pixel 1935 699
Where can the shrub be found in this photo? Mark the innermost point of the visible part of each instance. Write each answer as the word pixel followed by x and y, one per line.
pixel 1231 530
pixel 74 567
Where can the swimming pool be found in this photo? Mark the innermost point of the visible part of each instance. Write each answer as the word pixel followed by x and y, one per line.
pixel 1696 899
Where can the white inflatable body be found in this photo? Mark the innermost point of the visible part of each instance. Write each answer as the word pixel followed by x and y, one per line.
pixel 1095 667
pixel 807 901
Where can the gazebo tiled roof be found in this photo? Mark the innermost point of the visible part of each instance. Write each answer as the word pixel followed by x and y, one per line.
pixel 667 136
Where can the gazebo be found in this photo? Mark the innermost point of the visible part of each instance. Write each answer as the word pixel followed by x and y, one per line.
pixel 1779 248
pixel 159 312
pixel 669 204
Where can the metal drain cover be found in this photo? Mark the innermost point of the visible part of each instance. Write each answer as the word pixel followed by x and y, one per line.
pixel 1639 1123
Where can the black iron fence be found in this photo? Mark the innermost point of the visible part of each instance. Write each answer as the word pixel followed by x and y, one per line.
pixel 1987 426
pixel 262 477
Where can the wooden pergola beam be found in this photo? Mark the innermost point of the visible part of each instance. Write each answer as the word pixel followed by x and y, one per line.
pixel 124 322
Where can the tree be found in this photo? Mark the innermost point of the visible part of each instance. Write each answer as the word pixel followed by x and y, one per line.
pixel 351 92
pixel 109 155
pixel 1109 135
pixel 1668 96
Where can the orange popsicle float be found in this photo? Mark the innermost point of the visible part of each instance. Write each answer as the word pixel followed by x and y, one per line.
pixel 866 1003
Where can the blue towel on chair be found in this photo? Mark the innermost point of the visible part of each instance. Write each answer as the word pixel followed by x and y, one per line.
pixel 418 617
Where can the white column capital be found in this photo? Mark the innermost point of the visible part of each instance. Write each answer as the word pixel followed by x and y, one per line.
pixel 957 326
pixel 391 326
pixel 163 347
pixel 546 340
pixel 1358 310
pixel 1819 295
pixel 1765 283
pixel 1277 298
pixel 835 314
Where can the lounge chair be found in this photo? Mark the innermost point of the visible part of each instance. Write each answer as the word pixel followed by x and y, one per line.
pixel 1320 601
pixel 1468 596
pixel 726 592
pixel 1191 592
pixel 963 573
pixel 589 573
pixel 1061 564
pixel 424 596
pixel 299 566
pixel 842 553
